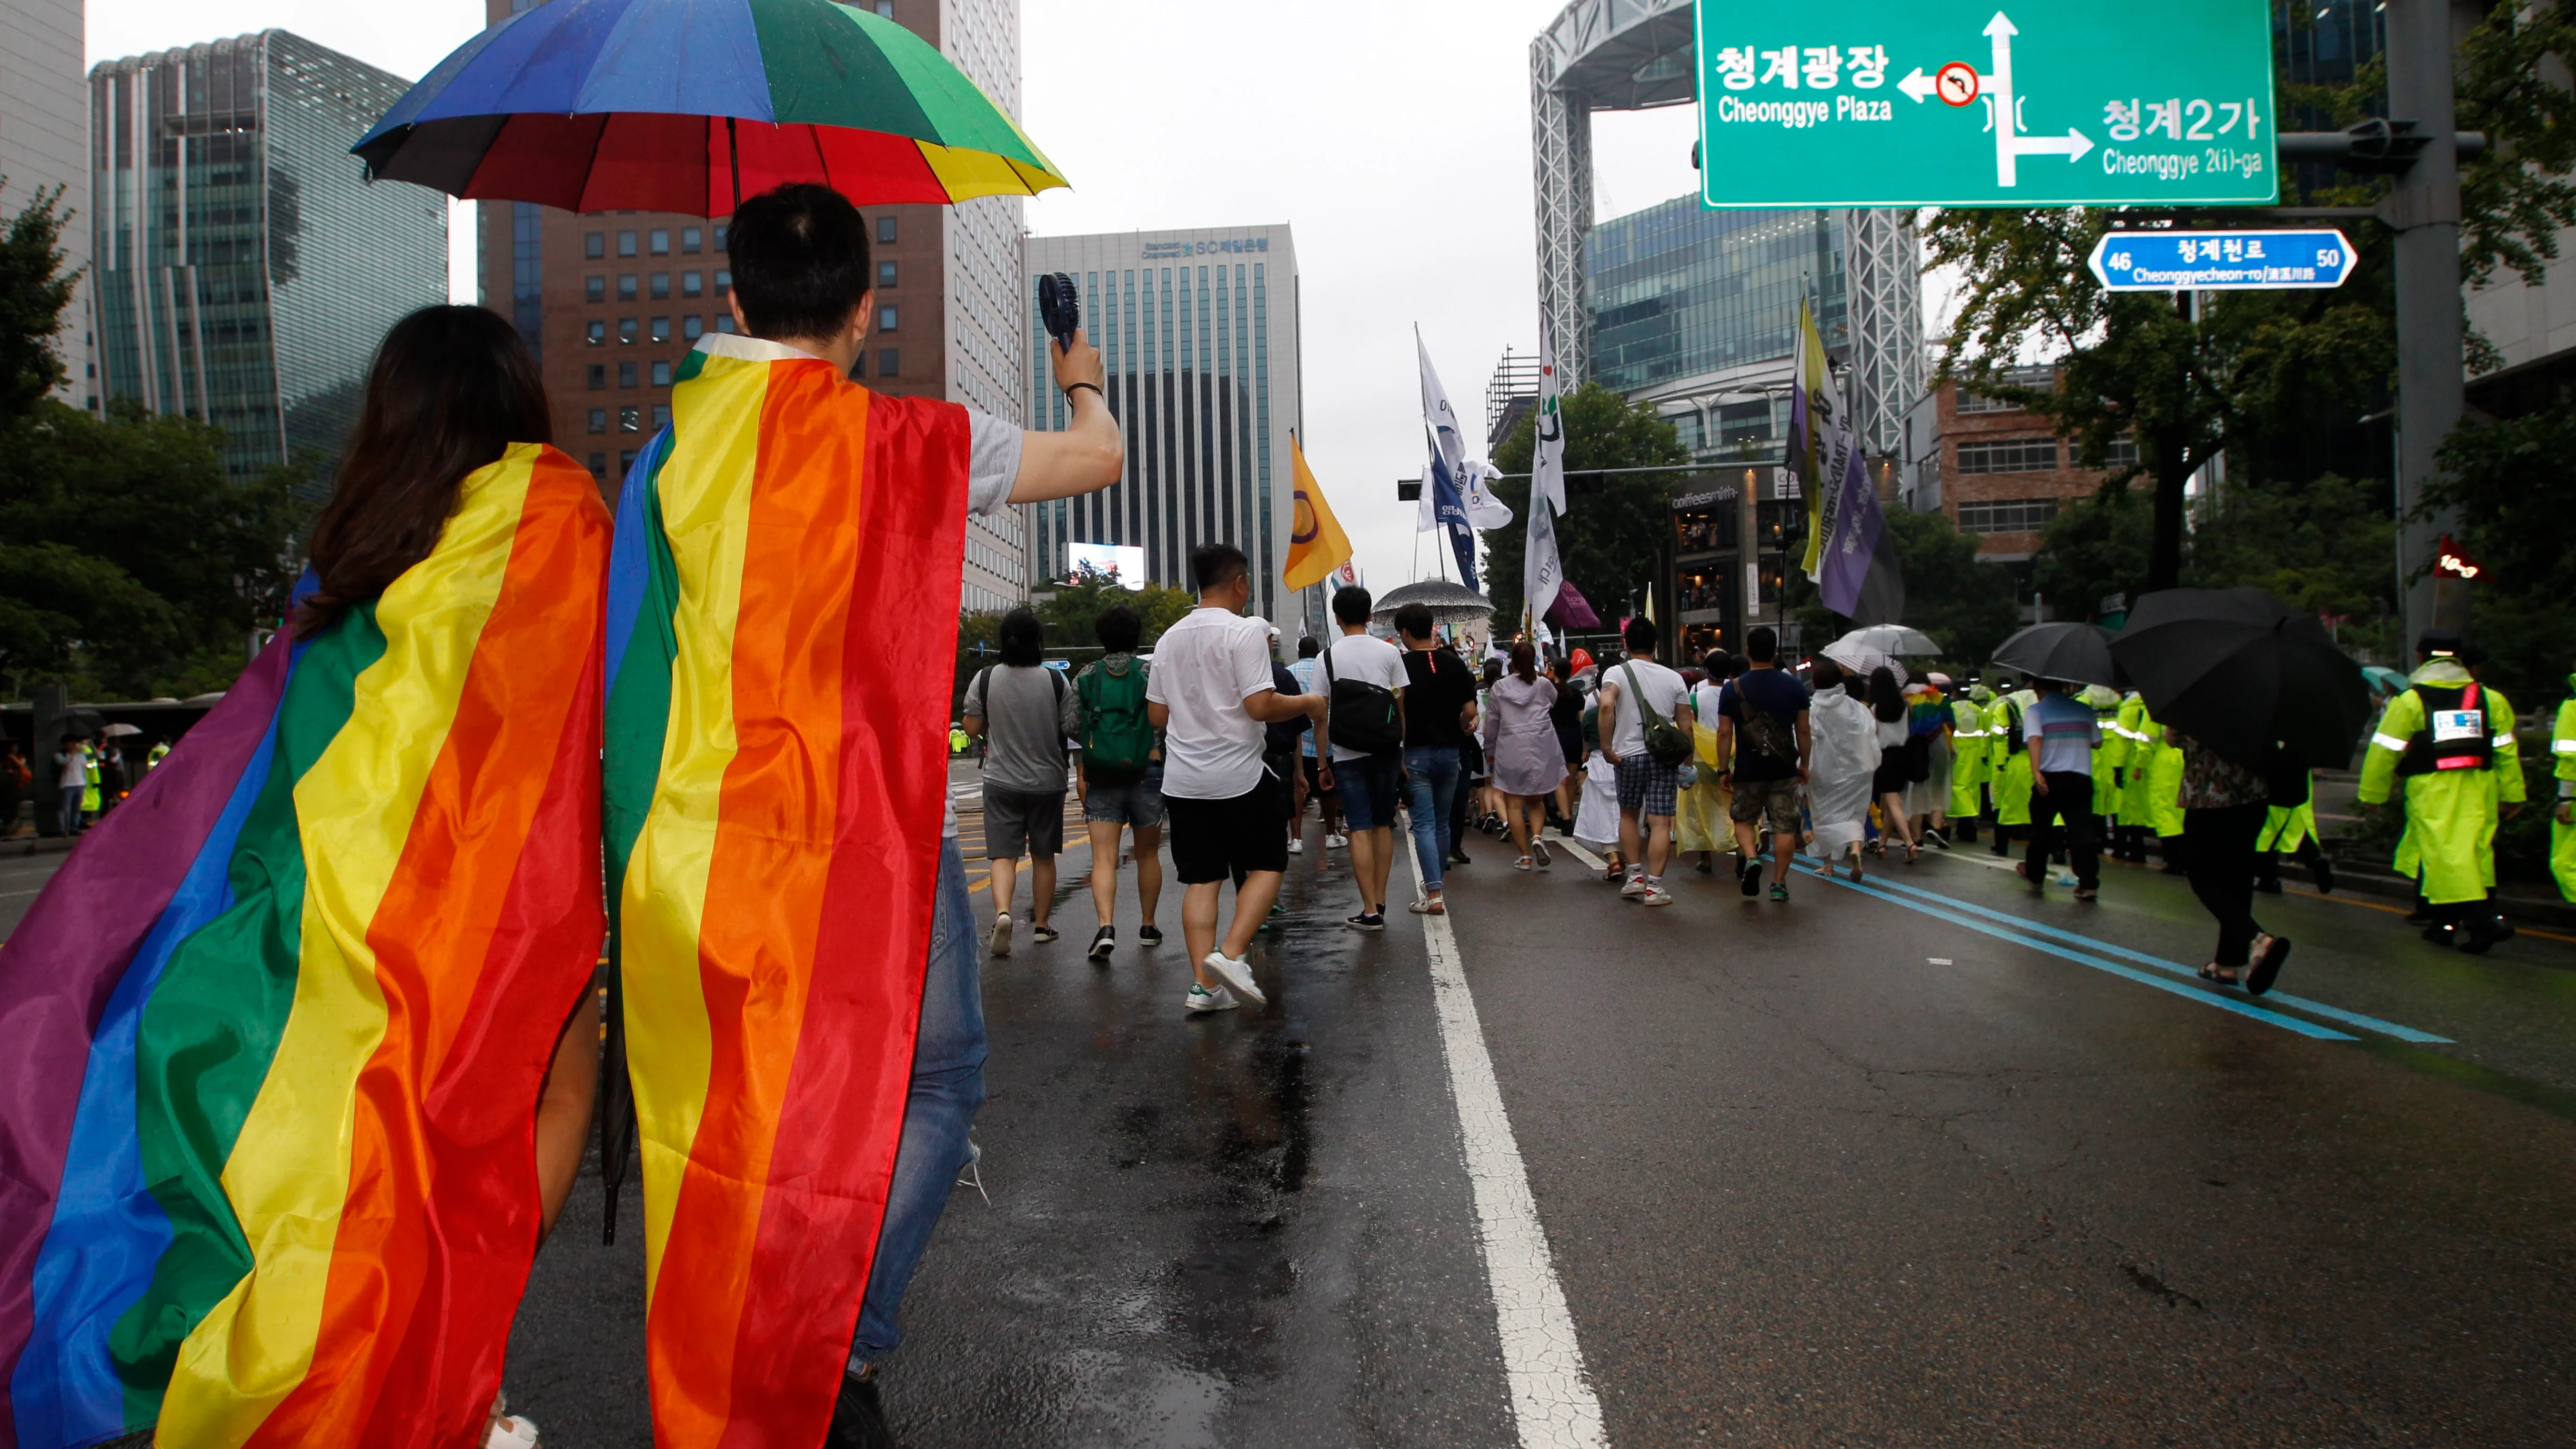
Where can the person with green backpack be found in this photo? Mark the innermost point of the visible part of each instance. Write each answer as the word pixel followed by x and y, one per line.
pixel 1121 772
pixel 1646 736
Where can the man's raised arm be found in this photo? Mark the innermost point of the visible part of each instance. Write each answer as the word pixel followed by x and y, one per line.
pixel 1089 454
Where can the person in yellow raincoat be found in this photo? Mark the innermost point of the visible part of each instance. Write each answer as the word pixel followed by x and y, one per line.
pixel 2129 840
pixel 2562 819
pixel 2011 765
pixel 2450 739
pixel 1700 821
pixel 2108 758
pixel 2152 795
pixel 2292 830
pixel 92 803
pixel 1970 758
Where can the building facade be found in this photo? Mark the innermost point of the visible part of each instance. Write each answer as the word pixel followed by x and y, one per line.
pixel 1199 333
pixel 44 145
pixel 245 270
pixel 613 300
pixel 1999 472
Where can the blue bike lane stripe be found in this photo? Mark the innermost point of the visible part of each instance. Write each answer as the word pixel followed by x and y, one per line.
pixel 2143 978
pixel 2300 1003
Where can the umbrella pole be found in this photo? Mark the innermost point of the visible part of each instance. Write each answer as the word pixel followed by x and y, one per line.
pixel 733 159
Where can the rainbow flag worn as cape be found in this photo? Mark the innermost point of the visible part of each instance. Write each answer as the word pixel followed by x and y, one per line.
pixel 781 604
pixel 277 1028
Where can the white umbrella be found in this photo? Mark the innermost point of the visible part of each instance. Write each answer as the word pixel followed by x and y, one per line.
pixel 1891 639
pixel 115 730
pixel 1860 659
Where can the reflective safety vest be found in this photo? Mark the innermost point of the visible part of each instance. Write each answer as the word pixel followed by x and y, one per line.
pixel 2454 735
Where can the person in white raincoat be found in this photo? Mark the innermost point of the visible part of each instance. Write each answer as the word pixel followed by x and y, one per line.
pixel 1838 773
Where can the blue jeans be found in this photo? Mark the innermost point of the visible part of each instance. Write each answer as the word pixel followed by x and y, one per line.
pixel 67 811
pixel 1431 783
pixel 947 1087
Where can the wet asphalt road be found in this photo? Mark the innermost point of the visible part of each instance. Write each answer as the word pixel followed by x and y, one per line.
pixel 1843 1171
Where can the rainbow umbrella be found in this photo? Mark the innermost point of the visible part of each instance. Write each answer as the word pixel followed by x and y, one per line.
pixel 691 105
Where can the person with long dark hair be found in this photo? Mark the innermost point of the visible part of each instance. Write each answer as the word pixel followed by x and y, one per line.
pixel 1887 705
pixel 1529 764
pixel 360 1070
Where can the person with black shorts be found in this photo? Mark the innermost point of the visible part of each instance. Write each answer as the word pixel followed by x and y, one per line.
pixel 1764 740
pixel 1211 691
pixel 1318 783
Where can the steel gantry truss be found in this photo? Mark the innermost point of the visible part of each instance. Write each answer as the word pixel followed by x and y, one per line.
pixel 1885 276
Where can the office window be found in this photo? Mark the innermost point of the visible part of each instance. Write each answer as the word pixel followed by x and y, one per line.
pixel 626 374
pixel 599 420
pixel 724 283
pixel 594 245
pixel 886 319
pixel 2009 455
pixel 720 236
pixel 724 322
pixel 661 417
pixel 625 461
pixel 661 329
pixel 2123 452
pixel 886 8
pixel 889 362
pixel 596 332
pixel 885 231
pixel 594 288
pixel 626 243
pixel 1974 402
pixel 693 327
pixel 661 374
pixel 661 286
pixel 689 239
pixel 2007 515
pixel 626 330
pixel 599 466
pixel 626 289
pixel 630 420
pixel 661 242
pixel 693 284
pixel 885 274
pixel 598 376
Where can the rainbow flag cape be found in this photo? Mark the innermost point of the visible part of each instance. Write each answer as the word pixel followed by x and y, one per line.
pixel 277 1027
pixel 782 603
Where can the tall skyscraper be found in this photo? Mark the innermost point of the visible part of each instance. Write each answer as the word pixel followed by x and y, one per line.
pixel 44 144
pixel 245 268
pixel 613 300
pixel 1199 330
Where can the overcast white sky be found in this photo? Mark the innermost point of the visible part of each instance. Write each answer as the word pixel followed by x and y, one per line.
pixel 1393 136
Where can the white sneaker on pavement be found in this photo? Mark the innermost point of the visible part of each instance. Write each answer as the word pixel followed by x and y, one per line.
pixel 1656 895
pixel 1336 841
pixel 1296 846
pixel 1002 934
pixel 1635 888
pixel 1202 999
pixel 1236 973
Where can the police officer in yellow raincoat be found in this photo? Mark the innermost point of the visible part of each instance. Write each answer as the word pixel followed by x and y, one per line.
pixel 2011 765
pixel 2153 797
pixel 1971 758
pixel 2562 821
pixel 2450 738
pixel 2108 758
pixel 2129 838
pixel 2292 830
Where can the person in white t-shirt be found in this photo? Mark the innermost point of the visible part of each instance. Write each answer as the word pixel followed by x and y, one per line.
pixel 1647 786
pixel 1210 693
pixel 1369 674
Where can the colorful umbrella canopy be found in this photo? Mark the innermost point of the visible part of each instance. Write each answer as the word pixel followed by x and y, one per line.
pixel 691 105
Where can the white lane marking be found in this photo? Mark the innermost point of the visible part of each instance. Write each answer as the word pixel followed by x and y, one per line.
pixel 1552 1400
pixel 1581 854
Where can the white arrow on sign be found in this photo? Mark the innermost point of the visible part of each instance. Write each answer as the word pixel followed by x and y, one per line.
pixel 1918 85
pixel 2010 146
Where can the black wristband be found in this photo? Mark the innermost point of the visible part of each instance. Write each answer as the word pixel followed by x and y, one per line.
pixel 1095 388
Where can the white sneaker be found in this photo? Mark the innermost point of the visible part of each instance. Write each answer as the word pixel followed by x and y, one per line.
pixel 508 1430
pixel 1296 845
pixel 1002 934
pixel 1635 888
pixel 1539 852
pixel 1202 999
pixel 1235 973
pixel 1656 895
pixel 1336 841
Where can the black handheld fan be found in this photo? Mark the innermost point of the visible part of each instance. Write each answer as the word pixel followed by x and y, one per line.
pixel 1060 306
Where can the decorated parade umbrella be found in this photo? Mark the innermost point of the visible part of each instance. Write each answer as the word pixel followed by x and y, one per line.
pixel 1449 603
pixel 2244 674
pixel 2075 653
pixel 1886 639
pixel 692 105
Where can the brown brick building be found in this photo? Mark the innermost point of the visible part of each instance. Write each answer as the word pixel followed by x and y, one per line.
pixel 1998 471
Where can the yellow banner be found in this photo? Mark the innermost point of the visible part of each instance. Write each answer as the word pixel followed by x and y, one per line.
pixel 1316 544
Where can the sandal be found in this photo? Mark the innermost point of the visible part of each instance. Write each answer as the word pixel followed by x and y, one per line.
pixel 2269 953
pixel 1043 935
pixel 2218 975
pixel 1524 863
pixel 1429 906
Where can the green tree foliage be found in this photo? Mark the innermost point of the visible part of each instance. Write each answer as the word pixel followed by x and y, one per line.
pixel 1081 600
pixel 2514 484
pixel 1616 529
pixel 1967 607
pixel 129 563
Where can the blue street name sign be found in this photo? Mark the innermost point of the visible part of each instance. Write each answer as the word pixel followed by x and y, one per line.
pixel 2222 261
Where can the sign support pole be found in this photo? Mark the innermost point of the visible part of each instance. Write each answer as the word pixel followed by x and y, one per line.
pixel 2424 210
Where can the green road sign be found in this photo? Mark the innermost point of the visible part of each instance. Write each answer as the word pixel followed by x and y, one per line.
pixel 1954 103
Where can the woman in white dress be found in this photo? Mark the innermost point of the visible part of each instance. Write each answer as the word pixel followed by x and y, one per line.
pixel 1839 770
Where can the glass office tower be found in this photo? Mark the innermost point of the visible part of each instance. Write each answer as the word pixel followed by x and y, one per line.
pixel 245 268
pixel 1678 290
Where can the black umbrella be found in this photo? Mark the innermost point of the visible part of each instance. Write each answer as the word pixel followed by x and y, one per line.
pixel 2244 674
pixel 2073 652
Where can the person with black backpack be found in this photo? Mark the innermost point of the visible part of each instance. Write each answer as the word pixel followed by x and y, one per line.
pixel 1024 712
pixel 1364 683
pixel 1121 770
pixel 1765 741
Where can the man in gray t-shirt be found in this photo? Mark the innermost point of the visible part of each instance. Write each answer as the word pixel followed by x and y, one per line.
pixel 1025 712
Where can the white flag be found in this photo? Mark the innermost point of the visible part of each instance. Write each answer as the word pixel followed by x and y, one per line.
pixel 1547 464
pixel 1484 510
pixel 1448 442
pixel 1542 570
